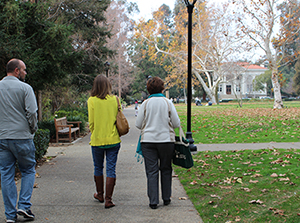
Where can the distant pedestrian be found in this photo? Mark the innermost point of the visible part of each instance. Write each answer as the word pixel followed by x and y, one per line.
pixel 105 140
pixel 156 120
pixel 136 107
pixel 18 123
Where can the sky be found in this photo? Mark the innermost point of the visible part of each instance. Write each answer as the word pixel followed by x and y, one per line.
pixel 146 7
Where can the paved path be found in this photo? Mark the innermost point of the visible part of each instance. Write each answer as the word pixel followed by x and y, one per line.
pixel 65 186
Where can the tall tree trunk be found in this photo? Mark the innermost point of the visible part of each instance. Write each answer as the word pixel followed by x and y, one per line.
pixel 276 88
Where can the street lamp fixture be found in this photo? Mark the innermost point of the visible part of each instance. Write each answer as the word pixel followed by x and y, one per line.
pixel 190 7
pixel 106 65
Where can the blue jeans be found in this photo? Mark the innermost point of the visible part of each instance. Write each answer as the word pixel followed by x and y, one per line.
pixel 111 160
pixel 23 151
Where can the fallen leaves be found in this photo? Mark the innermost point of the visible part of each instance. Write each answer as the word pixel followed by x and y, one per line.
pixel 277 211
pixel 246 189
pixel 284 179
pixel 194 182
pixel 256 202
pixel 253 181
pixel 274 175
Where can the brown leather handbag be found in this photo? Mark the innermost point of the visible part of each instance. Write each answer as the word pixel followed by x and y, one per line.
pixel 121 122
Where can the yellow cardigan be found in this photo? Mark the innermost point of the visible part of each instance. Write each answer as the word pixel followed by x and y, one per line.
pixel 102 118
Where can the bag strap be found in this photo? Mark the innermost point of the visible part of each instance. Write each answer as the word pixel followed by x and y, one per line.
pixel 118 101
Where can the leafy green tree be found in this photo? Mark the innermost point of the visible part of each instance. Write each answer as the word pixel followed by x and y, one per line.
pixel 260 81
pixel 89 37
pixel 44 46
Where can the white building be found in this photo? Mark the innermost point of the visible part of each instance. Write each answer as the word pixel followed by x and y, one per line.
pixel 238 81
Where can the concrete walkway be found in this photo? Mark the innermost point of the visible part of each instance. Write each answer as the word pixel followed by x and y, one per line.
pixel 65 186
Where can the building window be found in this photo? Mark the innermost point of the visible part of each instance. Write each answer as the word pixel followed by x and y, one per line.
pixel 220 88
pixel 238 88
pixel 228 89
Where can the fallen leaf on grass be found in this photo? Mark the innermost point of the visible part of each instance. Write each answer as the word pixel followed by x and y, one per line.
pixel 238 218
pixel 282 175
pixel 246 163
pixel 246 189
pixel 239 180
pixel 277 161
pixel 225 187
pixel 274 175
pixel 264 190
pixel 284 179
pixel 256 202
pixel 210 202
pixel 253 181
pixel 277 211
pixel 257 175
pixel 217 156
pixel 194 182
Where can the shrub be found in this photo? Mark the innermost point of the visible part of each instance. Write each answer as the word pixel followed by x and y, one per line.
pixel 48 124
pixel 41 142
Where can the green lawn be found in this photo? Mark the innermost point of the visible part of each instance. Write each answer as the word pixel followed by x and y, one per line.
pixel 248 185
pixel 254 122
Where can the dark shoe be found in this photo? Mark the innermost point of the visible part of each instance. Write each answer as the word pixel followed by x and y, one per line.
pixel 167 202
pixel 99 188
pixel 110 184
pixel 153 206
pixel 26 214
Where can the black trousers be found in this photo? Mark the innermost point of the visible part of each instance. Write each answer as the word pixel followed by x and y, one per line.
pixel 158 158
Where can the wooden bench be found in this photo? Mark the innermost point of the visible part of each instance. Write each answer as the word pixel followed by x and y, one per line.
pixel 63 127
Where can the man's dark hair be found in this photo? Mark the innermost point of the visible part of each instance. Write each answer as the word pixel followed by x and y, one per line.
pixel 12 65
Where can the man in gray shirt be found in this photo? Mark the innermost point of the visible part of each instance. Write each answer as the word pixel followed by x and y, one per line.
pixel 18 123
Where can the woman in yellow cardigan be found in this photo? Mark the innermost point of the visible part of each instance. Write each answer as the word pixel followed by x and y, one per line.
pixel 105 140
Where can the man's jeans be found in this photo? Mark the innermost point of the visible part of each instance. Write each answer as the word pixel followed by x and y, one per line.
pixel 111 160
pixel 23 151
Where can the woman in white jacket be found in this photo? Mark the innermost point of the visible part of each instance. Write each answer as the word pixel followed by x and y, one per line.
pixel 157 119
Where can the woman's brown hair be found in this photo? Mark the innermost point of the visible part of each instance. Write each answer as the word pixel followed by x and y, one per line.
pixel 101 87
pixel 155 85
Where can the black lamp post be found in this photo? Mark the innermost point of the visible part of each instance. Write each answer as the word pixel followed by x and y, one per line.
pixel 190 7
pixel 107 64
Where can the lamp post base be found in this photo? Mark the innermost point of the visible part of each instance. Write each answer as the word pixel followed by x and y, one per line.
pixel 193 148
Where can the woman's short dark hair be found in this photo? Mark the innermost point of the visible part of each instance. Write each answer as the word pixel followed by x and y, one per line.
pixel 155 85
pixel 101 87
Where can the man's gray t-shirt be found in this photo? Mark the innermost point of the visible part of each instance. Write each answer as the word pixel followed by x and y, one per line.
pixel 18 109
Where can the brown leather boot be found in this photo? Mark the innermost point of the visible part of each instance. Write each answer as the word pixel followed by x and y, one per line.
pixel 110 184
pixel 99 188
